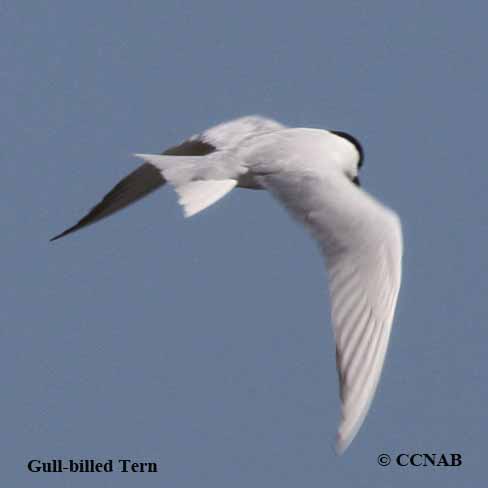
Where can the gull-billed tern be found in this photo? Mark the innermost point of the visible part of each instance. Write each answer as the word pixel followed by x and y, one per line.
pixel 314 174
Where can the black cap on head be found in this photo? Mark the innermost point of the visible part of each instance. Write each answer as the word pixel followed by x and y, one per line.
pixel 354 142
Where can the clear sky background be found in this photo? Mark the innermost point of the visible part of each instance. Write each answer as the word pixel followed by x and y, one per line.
pixel 205 344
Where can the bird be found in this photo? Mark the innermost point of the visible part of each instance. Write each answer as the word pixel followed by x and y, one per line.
pixel 314 174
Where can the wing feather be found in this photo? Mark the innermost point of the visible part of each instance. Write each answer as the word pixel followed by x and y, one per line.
pixel 146 178
pixel 362 243
pixel 138 184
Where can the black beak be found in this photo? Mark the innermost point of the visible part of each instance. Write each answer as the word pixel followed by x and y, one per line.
pixel 356 181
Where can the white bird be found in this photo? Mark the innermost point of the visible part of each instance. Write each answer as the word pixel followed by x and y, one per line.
pixel 314 174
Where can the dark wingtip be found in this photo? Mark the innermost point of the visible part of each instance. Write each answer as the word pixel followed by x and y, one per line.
pixel 55 238
pixel 64 233
pixel 128 190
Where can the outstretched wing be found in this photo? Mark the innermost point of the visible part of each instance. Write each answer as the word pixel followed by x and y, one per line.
pixel 141 182
pixel 133 187
pixel 146 178
pixel 362 242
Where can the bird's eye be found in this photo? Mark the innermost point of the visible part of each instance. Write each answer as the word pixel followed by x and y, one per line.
pixel 356 181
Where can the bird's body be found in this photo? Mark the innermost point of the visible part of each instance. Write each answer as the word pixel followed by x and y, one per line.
pixel 314 174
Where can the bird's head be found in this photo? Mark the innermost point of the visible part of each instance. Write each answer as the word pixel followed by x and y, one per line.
pixel 353 160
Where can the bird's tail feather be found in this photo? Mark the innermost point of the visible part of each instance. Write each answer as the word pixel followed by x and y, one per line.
pixel 196 189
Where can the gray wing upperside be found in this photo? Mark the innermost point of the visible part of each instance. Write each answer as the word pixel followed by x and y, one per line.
pixel 138 184
pixel 146 178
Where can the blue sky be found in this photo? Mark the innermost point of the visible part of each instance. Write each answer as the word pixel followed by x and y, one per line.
pixel 205 344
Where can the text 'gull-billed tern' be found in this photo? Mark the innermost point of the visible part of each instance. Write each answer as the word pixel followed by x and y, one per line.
pixel 314 174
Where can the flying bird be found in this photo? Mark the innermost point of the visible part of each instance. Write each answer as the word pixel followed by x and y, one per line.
pixel 314 174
